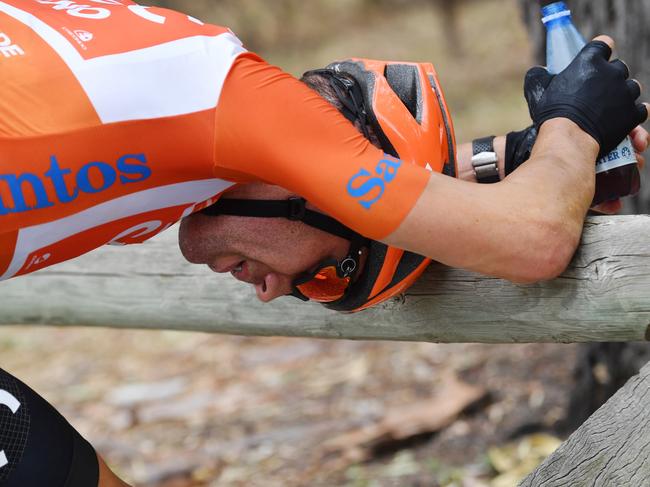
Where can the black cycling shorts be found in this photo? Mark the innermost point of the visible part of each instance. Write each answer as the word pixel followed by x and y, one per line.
pixel 38 447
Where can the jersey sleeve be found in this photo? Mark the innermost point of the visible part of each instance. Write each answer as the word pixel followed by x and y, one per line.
pixel 272 127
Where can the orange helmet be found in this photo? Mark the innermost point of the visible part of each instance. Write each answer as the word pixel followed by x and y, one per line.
pixel 405 107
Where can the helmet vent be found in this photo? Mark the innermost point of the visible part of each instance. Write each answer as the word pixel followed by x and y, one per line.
pixel 403 79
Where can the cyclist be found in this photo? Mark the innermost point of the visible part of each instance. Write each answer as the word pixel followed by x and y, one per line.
pixel 110 138
pixel 255 250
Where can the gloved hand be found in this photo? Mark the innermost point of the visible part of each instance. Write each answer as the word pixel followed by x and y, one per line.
pixel 592 92
pixel 519 145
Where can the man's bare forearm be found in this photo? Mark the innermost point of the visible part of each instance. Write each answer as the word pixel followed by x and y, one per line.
pixel 466 171
pixel 562 166
pixel 524 228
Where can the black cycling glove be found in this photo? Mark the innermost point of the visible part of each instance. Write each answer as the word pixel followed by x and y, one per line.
pixel 519 145
pixel 592 92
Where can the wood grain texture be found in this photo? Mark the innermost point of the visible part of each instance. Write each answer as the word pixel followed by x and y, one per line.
pixel 603 296
pixel 612 448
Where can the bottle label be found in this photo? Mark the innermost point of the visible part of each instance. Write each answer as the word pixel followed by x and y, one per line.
pixel 621 156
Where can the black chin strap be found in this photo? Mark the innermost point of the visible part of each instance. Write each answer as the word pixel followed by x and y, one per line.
pixel 293 209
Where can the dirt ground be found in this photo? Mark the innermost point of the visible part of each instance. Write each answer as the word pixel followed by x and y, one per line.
pixel 188 409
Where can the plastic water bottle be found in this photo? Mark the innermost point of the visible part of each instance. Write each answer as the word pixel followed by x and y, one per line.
pixel 617 173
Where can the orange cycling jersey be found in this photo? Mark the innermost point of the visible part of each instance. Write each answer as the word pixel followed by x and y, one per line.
pixel 117 120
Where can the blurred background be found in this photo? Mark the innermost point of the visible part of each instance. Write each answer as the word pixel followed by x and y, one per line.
pixel 189 409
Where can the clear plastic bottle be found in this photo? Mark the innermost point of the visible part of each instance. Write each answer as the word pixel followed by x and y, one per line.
pixel 617 173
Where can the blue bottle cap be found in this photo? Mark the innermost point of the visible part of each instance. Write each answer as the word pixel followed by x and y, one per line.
pixel 555 11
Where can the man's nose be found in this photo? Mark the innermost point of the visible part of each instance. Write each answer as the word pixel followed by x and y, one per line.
pixel 273 286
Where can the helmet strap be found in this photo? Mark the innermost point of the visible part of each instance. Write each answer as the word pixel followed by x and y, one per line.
pixel 294 208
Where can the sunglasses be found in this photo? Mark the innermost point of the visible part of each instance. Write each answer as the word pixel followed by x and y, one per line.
pixel 330 280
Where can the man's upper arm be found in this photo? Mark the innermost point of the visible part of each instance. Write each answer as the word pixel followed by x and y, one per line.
pixel 272 127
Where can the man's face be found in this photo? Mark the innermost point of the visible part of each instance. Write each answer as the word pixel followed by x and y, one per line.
pixel 266 252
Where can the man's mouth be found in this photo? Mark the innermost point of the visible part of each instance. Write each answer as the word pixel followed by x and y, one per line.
pixel 238 268
pixel 222 268
pixel 242 272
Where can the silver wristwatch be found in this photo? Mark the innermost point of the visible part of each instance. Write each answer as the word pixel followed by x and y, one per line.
pixel 484 160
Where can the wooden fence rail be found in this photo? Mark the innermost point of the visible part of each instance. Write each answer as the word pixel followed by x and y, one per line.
pixel 603 296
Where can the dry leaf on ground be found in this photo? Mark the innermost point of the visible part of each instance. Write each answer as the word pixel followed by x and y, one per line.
pixel 405 421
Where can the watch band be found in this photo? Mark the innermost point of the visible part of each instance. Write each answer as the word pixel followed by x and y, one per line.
pixel 484 160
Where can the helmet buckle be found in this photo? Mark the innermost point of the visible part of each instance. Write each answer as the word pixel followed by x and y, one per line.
pixel 348 266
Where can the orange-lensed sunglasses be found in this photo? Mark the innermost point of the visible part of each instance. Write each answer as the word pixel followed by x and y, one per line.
pixel 331 278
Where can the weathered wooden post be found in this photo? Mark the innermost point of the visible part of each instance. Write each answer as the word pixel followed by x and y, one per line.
pixel 611 448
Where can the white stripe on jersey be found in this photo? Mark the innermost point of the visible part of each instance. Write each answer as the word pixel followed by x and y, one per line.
pixel 174 78
pixel 34 238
